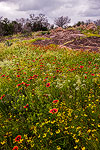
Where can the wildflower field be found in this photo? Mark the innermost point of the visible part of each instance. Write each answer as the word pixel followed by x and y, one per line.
pixel 49 98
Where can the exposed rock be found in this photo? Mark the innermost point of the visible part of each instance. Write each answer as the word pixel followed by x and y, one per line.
pixel 72 39
pixel 82 26
pixel 91 26
pixel 59 29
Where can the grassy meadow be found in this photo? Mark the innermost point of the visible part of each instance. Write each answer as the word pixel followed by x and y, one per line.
pixel 49 97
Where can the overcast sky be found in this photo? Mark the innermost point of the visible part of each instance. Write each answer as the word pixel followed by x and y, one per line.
pixel 77 10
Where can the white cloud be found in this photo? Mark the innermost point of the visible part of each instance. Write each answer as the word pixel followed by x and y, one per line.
pixel 10 11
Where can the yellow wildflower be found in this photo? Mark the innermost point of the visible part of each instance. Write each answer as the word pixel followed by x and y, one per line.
pixel 57 131
pixel 99 125
pixel 89 138
pixel 77 140
pixel 75 147
pixel 83 148
pixel 85 115
pixel 58 147
pixel 44 135
pixel 3 142
pixel 51 133
pixel 89 131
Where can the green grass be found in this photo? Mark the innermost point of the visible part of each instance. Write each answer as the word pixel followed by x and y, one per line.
pixel 34 40
pixel 31 78
pixel 68 42
pixel 91 34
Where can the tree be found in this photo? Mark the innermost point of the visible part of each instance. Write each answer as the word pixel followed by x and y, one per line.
pixel 7 28
pixel 52 26
pixel 34 23
pixel 27 28
pixel 21 21
pixel 17 27
pixel 79 23
pixel 39 22
pixel 1 26
pixel 97 22
pixel 89 21
pixel 61 21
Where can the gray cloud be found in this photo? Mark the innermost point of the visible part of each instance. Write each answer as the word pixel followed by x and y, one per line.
pixel 37 4
pixel 92 13
pixel 95 4
pixel 93 10
pixel 75 9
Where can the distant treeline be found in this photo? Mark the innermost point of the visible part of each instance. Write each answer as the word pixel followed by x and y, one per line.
pixel 38 23
pixel 34 23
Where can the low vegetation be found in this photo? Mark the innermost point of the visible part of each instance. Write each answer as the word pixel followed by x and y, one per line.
pixel 49 97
